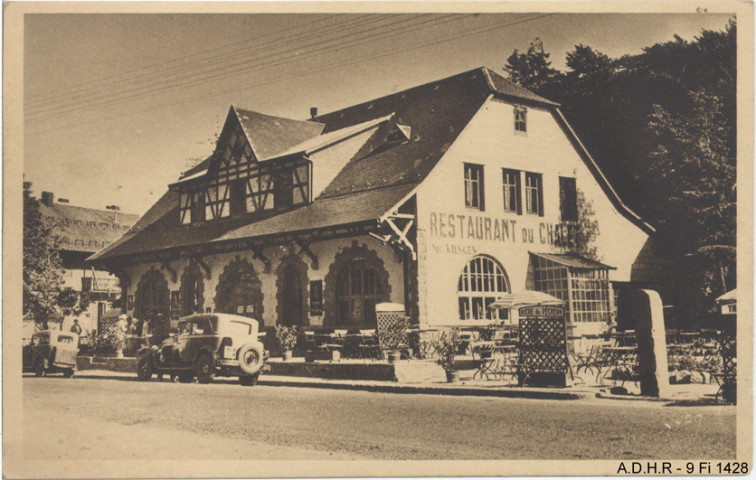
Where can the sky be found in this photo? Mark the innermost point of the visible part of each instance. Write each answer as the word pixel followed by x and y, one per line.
pixel 116 106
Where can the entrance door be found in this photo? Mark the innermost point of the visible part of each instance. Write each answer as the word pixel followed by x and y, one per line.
pixel 291 296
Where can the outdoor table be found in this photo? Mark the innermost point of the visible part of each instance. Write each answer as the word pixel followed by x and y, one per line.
pixel 329 341
pixel 622 359
pixel 501 362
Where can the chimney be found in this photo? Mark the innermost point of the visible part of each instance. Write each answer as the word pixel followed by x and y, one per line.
pixel 48 198
pixel 313 112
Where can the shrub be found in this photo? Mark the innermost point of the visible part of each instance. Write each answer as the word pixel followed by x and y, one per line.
pixel 286 336
pixel 104 342
pixel 446 348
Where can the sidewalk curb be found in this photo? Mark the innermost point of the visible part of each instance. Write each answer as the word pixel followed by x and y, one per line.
pixel 697 400
pixel 506 392
pixel 429 390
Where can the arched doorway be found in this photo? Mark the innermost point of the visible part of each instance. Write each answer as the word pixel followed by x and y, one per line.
pixel 481 282
pixel 356 281
pixel 152 302
pixel 192 298
pixel 292 291
pixel 239 290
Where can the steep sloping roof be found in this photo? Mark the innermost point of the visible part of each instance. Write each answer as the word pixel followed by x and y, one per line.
pixel 83 229
pixel 269 135
pixel 322 141
pixel 437 113
pixel 359 207
pixel 377 177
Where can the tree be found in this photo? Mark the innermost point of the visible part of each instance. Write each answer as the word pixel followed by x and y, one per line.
pixel 72 302
pixel 531 70
pixel 41 262
pixel 692 174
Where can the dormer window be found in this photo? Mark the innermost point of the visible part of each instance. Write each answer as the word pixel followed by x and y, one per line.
pixel 256 188
pixel 520 119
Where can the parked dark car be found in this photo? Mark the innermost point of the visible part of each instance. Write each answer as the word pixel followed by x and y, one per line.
pixel 204 346
pixel 51 351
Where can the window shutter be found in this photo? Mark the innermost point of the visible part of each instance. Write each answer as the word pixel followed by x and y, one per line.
pixel 518 182
pixel 540 195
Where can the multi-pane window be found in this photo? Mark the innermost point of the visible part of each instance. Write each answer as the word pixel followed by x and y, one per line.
pixel 359 289
pixel 585 291
pixel 534 193
pixel 512 191
pixel 474 193
pixel 568 199
pixel 520 119
pixel 481 282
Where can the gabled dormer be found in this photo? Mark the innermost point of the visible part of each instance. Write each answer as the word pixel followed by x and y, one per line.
pixel 237 179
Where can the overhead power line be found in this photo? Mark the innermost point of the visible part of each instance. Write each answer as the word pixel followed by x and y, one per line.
pixel 226 66
pixel 438 41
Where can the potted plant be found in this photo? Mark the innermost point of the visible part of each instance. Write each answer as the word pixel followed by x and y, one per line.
pixel 447 348
pixel 287 338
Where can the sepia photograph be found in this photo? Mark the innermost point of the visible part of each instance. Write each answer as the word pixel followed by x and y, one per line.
pixel 343 239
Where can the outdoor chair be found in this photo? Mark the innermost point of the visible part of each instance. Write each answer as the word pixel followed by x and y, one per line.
pixel 308 340
pixel 368 347
pixel 593 360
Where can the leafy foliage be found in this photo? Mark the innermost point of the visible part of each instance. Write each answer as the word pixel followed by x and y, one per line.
pixel 532 70
pixel 72 302
pixel 662 127
pixel 41 263
pixel 447 347
pixel 287 337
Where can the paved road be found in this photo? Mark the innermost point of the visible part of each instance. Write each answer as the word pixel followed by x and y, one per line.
pixel 124 420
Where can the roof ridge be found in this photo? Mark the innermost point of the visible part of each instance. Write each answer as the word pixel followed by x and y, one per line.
pixel 416 87
pixel 89 209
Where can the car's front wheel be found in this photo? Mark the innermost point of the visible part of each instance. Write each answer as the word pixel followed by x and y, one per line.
pixel 204 368
pixel 39 367
pixel 249 380
pixel 144 368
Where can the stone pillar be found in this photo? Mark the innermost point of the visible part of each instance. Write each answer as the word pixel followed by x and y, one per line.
pixel 652 343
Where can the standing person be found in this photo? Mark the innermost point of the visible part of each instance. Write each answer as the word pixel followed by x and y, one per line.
pixel 146 331
pixel 120 330
pixel 76 328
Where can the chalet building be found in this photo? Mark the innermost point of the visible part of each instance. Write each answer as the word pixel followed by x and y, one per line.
pixel 82 232
pixel 441 197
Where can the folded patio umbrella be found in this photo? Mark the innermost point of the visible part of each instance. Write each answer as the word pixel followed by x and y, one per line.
pixel 525 298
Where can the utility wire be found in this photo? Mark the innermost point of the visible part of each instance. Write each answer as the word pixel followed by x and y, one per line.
pixel 445 39
pixel 197 75
pixel 137 73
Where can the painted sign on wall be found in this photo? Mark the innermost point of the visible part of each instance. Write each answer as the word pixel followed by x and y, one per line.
pixel 316 298
pixel 487 229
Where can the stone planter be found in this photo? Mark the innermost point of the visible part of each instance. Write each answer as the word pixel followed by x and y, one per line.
pixel 452 376
pixel 394 357
pixel 287 355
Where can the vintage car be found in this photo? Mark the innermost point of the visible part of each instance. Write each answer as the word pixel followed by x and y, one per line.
pixel 204 346
pixel 51 351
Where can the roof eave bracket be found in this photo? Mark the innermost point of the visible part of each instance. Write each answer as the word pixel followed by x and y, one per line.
pixel 304 247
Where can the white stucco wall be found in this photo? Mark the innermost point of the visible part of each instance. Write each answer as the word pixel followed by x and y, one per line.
pixel 490 140
pixel 326 251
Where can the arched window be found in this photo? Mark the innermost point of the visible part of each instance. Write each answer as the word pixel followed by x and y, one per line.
pixel 481 282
